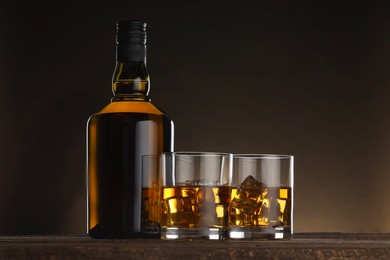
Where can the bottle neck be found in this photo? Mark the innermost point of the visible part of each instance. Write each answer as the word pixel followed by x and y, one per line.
pixel 130 81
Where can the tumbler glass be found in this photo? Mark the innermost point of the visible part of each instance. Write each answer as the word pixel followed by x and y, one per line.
pixel 195 195
pixel 261 203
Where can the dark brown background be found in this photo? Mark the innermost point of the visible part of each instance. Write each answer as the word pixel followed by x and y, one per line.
pixel 295 77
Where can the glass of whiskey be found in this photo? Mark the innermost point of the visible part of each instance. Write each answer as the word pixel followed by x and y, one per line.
pixel 195 195
pixel 261 202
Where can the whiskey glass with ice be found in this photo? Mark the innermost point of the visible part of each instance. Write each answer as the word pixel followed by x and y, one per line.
pixel 261 203
pixel 195 195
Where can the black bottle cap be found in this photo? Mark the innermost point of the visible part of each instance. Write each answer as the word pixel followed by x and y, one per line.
pixel 131 41
pixel 131 32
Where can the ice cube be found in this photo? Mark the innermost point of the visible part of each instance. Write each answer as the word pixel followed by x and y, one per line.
pixel 173 211
pixel 251 188
pixel 248 198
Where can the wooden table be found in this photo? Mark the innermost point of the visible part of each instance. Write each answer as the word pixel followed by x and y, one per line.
pixel 301 246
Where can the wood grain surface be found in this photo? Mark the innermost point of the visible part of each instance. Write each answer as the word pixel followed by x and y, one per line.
pixel 301 246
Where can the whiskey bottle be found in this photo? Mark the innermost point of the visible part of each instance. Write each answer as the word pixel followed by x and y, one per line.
pixel 123 140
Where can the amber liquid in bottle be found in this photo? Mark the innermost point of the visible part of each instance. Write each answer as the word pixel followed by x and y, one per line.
pixel 123 140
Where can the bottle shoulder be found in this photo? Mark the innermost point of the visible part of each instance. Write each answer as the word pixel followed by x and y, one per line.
pixel 144 107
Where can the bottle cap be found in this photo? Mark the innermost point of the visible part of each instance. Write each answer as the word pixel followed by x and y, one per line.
pixel 131 41
pixel 131 32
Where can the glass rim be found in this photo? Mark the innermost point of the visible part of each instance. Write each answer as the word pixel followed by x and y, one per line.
pixel 198 154
pixel 262 156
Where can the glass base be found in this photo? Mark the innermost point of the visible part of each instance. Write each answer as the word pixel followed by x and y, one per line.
pixel 194 233
pixel 260 233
